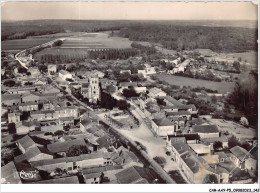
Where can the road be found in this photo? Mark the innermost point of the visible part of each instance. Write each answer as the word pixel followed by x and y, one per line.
pixel 42 45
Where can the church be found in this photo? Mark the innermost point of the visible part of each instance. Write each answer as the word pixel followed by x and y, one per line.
pixel 91 89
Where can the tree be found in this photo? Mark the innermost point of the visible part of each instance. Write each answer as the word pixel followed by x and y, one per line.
pixel 76 150
pixel 7 154
pixel 214 99
pixel 9 83
pixel 44 174
pixel 21 69
pixel 218 145
pixel 28 83
pixel 57 43
pixel 123 105
pixel 59 132
pixel 232 142
pixel 210 179
pixel 11 128
pixel 128 93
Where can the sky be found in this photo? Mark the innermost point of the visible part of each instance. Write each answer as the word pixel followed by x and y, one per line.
pixel 16 11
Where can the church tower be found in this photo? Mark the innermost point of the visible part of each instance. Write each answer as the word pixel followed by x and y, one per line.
pixel 93 89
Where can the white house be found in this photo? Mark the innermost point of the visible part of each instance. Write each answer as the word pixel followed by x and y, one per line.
pixel 63 74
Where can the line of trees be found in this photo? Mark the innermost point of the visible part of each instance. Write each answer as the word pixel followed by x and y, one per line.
pixel 112 54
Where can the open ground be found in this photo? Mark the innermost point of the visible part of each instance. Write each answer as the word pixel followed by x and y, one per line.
pixel 221 87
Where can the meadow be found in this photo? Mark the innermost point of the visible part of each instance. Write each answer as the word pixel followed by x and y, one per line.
pixel 22 44
pixel 221 87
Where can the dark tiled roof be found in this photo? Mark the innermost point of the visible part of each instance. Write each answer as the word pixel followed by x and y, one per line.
pixel 26 142
pixel 66 180
pixel 135 174
pixel 101 169
pixel 205 128
pixel 9 172
pixel 240 153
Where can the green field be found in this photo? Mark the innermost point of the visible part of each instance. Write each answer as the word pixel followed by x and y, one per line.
pixel 96 41
pixel 222 87
pixel 23 43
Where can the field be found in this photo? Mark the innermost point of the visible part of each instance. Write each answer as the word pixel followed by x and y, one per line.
pixel 23 43
pixel 222 87
pixel 96 41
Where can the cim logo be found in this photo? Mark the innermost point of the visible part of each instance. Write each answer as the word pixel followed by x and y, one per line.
pixel 28 174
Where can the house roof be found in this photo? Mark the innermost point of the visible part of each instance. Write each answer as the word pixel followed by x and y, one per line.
pixel 9 172
pixel 31 153
pixel 200 148
pixel 66 180
pixel 63 72
pixel 179 113
pixel 28 103
pixel 105 141
pixel 105 155
pixel 31 123
pixel 124 155
pixel 64 146
pixel 188 136
pixel 241 153
pixel 26 142
pixel 171 100
pixel 205 128
pixel 155 90
pixel 101 169
pixel 8 97
pixel 92 175
pixel 127 84
pixel 163 122
pixel 134 175
pixel 42 112
pixel 212 140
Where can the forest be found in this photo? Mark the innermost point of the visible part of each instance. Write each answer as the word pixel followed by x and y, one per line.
pixel 176 37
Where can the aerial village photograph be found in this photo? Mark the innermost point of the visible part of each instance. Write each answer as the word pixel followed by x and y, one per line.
pixel 129 93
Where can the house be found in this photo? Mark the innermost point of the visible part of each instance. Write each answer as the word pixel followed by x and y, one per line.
pixel 206 131
pixel 243 159
pixel 63 74
pixel 192 166
pixel 47 105
pixel 179 114
pixel 51 128
pixel 22 90
pixel 200 149
pixel 211 141
pixel 136 175
pixel 28 106
pixel 26 143
pixel 93 178
pixel 14 117
pixel 66 121
pixel 10 99
pixel 156 92
pixel 124 157
pixel 123 85
pixel 76 163
pixel 41 81
pixel 107 82
pixel 44 115
pixel 62 147
pixel 9 174
pixel 34 154
pixel 125 71
pixel 189 138
pixel 70 111
pixel 34 71
pixel 221 156
pixel 52 69
pixel 164 127
pixel 147 71
pixel 49 89
pixel 63 180
pixel 87 123
pixel 24 127
pixel 30 97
